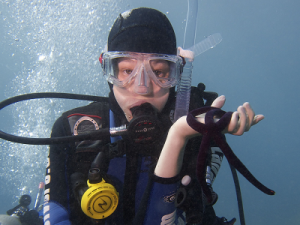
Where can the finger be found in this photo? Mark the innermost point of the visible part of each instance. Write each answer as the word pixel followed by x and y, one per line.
pixel 201 118
pixel 253 119
pixel 250 115
pixel 257 119
pixel 219 102
pixel 232 127
pixel 242 121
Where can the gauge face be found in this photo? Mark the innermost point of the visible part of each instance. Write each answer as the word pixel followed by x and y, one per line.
pixel 85 124
pixel 81 124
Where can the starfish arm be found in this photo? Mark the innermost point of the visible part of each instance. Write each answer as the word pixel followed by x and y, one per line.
pixel 234 161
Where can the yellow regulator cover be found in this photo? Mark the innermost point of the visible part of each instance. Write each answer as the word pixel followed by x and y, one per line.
pixel 100 200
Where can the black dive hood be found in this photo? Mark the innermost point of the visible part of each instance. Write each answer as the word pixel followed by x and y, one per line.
pixel 143 127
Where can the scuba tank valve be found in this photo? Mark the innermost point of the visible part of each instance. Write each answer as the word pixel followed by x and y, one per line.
pixel 22 208
pixel 21 214
pixel 15 214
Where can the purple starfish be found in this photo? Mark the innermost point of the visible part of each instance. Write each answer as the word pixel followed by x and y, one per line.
pixel 213 131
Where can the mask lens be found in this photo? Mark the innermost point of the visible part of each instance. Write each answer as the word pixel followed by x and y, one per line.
pixel 119 67
pixel 161 69
pixel 166 72
pixel 124 67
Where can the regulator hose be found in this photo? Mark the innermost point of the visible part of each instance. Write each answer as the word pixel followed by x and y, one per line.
pixel 94 135
pixel 238 194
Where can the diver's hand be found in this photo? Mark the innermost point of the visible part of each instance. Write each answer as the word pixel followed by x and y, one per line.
pixel 242 119
pixel 170 160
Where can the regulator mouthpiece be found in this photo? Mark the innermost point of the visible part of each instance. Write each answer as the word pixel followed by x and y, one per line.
pixel 144 127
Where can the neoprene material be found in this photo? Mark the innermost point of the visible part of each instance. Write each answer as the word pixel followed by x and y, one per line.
pixel 143 30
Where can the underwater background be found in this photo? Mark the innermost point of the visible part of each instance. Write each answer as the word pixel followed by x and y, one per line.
pixel 53 46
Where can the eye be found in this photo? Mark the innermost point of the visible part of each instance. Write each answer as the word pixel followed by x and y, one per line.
pixel 160 68
pixel 158 73
pixel 125 68
pixel 127 71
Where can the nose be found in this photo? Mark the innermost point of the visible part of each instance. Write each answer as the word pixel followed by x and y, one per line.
pixel 142 82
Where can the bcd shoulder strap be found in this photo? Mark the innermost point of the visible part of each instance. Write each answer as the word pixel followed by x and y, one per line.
pixel 84 119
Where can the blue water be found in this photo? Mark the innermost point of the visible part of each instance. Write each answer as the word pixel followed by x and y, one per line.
pixel 55 45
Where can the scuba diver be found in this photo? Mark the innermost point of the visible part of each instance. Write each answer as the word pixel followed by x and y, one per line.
pixel 21 214
pixel 147 176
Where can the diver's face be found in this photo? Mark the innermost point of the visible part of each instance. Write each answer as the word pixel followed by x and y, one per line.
pixel 141 89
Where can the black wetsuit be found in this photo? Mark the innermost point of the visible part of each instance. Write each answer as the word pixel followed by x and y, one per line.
pixel 129 167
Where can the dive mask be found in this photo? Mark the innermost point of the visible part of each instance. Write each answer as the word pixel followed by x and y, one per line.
pixel 121 68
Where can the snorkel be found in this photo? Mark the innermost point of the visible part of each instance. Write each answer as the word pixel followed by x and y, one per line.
pixel 189 52
pixel 184 88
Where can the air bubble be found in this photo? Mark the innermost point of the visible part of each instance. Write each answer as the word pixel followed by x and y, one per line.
pixel 42 58
pixel 59 58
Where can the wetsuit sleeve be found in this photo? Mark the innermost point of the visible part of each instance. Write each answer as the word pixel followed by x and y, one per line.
pixel 56 183
pixel 161 208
